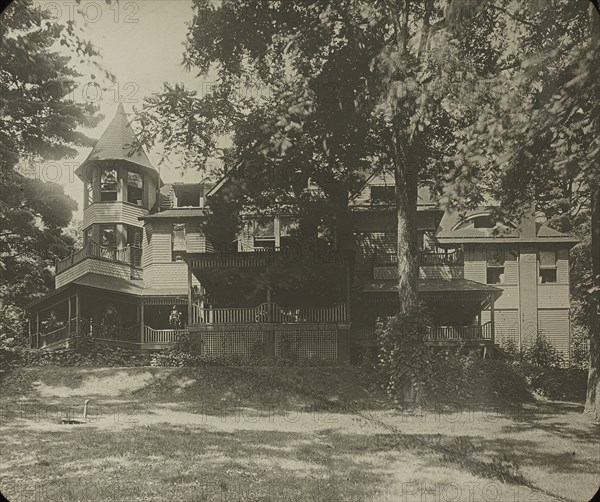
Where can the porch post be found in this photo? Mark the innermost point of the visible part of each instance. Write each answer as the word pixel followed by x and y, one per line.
pixel 69 319
pixel 37 329
pixel 493 316
pixel 348 296
pixel 189 302
pixel 269 316
pixel 29 330
pixel 77 312
pixel 142 321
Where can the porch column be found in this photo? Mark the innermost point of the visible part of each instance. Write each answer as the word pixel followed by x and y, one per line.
pixel 348 296
pixel 269 316
pixel 493 316
pixel 29 329
pixel 37 330
pixel 142 322
pixel 69 319
pixel 189 315
pixel 77 312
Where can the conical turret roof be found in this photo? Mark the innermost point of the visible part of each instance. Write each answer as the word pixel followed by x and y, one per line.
pixel 116 143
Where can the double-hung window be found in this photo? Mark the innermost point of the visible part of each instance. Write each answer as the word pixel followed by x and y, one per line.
pixel 547 266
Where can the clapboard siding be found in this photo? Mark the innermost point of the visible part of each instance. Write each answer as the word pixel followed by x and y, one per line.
pixel 113 212
pixel 196 243
pixel 475 264
pixel 506 325
pixel 554 325
pixel 509 298
pixel 553 296
pixel 161 247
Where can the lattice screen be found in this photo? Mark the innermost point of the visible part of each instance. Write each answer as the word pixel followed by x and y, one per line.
pixel 307 343
pixel 240 342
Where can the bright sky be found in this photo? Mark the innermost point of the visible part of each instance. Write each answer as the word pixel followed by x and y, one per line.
pixel 142 45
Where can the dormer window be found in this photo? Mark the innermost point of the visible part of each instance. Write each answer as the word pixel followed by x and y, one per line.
pixel 135 188
pixel 547 266
pixel 108 185
pixel 483 221
pixel 382 194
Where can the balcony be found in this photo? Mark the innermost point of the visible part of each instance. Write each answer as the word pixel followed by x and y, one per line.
pixel 426 258
pixel 129 256
pixel 433 264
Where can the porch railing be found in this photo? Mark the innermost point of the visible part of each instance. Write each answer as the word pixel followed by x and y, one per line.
pixel 426 258
pixel 268 313
pixel 130 255
pixel 162 335
pixel 129 333
pixel 56 335
pixel 458 332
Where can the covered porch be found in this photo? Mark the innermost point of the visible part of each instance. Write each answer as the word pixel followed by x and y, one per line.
pixel 109 310
pixel 272 302
pixel 455 305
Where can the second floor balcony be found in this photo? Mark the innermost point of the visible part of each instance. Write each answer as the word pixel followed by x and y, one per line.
pixel 130 256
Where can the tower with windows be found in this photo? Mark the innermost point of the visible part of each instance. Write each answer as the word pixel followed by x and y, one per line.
pixel 120 186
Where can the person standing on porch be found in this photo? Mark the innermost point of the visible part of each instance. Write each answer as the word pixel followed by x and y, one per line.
pixel 175 318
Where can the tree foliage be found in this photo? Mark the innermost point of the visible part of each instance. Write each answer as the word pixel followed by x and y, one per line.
pixel 39 122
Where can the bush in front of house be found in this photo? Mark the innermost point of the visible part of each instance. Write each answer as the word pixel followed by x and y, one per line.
pixel 412 371
pixel 546 371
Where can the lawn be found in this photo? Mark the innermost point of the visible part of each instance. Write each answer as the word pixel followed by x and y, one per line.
pixel 230 434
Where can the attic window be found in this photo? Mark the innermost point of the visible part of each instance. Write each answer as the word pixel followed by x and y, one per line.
pixel 484 221
pixel 382 194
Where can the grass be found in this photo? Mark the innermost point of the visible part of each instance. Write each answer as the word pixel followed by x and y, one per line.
pixel 276 434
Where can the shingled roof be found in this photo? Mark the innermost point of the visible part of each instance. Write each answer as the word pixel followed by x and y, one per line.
pixel 117 144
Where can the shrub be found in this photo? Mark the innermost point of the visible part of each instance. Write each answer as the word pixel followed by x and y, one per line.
pixel 547 373
pixel 459 378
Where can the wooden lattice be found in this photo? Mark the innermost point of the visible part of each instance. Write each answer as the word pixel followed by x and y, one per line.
pixel 244 343
pixel 306 344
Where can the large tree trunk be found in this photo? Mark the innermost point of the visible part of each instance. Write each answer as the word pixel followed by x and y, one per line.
pixel 592 402
pixel 406 206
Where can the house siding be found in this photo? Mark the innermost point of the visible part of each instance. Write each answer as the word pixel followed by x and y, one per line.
pixel 172 275
pixel 113 212
pixel 554 325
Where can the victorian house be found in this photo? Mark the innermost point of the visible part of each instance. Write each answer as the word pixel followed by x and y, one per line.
pixel 147 272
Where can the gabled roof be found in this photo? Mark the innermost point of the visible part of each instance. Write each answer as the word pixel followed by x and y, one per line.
pixel 116 143
pixel 449 232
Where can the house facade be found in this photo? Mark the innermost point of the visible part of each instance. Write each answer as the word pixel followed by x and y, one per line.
pixel 147 271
